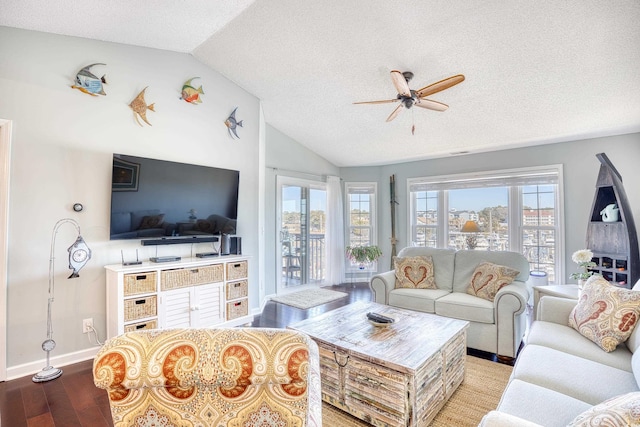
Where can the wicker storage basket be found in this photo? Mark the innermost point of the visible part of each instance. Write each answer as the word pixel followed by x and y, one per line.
pixel 183 277
pixel 139 283
pixel 237 309
pixel 237 270
pixel 239 289
pixel 174 279
pixel 151 324
pixel 139 308
pixel 208 274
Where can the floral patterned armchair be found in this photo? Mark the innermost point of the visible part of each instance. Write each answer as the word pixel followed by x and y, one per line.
pixel 236 377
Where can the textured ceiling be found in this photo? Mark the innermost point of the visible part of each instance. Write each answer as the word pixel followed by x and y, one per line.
pixel 536 71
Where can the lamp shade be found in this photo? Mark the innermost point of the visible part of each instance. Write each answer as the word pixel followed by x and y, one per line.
pixel 470 227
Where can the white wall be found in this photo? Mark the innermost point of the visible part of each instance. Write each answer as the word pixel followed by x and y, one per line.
pixel 62 145
pixel 580 167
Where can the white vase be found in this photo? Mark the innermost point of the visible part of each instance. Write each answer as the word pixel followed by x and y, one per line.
pixel 581 283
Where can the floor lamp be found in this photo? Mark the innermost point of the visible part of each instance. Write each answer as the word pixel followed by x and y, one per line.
pixel 79 255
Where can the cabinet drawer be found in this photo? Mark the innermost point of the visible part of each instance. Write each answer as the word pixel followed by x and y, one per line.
pixel 174 279
pixel 207 274
pixel 139 308
pixel 151 324
pixel 237 309
pixel 236 270
pixel 183 277
pixel 139 283
pixel 239 289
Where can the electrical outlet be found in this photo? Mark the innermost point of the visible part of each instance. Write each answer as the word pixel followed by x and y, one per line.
pixel 87 325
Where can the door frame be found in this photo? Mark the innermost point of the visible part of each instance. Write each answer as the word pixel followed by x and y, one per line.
pixel 280 180
pixel 5 162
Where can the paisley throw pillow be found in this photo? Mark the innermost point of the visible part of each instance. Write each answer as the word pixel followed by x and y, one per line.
pixel 414 272
pixel 606 314
pixel 619 410
pixel 489 278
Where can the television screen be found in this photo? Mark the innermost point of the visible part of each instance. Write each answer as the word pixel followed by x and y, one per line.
pixel 157 199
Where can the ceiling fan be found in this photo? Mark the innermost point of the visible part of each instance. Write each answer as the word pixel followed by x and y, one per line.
pixel 408 97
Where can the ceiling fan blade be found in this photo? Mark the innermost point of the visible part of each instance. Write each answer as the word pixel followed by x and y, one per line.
pixel 385 101
pixel 430 105
pixel 440 86
pixel 400 82
pixel 395 113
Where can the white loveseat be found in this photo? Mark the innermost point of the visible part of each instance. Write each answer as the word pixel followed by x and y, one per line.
pixel 560 375
pixel 494 326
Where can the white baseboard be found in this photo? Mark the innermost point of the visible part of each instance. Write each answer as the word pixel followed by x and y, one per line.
pixel 60 362
pixel 31 368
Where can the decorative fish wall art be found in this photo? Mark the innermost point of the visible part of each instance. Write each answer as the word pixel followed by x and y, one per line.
pixel 190 93
pixel 232 124
pixel 88 82
pixel 140 107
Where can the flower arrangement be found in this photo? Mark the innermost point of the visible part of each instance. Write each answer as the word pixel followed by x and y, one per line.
pixel 363 254
pixel 583 258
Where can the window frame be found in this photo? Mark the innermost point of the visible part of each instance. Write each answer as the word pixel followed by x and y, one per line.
pixel 373 222
pixel 514 179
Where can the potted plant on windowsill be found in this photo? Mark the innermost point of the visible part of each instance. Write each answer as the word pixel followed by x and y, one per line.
pixel 363 255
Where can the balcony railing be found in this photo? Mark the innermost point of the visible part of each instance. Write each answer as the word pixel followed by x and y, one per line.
pixel 303 264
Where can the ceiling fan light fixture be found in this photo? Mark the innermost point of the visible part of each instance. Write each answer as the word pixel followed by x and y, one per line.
pixel 407 102
pixel 408 75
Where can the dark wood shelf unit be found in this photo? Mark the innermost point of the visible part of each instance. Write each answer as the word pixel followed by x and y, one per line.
pixel 614 244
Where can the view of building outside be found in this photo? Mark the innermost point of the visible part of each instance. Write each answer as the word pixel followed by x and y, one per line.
pixel 359 220
pixel 489 208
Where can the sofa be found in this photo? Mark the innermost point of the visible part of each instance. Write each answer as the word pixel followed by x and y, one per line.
pixel 494 326
pixel 211 377
pixel 140 224
pixel 563 378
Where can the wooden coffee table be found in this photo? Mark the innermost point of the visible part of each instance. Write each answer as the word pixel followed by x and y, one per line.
pixel 398 375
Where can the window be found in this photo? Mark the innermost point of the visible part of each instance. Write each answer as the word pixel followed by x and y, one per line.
pixel 361 202
pixel 515 210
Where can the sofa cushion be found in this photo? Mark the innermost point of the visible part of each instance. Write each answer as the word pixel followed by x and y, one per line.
pixel 204 225
pixel 467 261
pixel 583 379
pixel 151 221
pixel 605 314
pixel 500 419
pixel 414 272
pixel 488 278
pixel 566 339
pixel 416 299
pixel 465 307
pixel 443 261
pixel 540 405
pixel 623 410
pixel 137 216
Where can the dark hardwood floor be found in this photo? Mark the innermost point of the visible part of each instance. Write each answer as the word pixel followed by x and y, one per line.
pixel 72 400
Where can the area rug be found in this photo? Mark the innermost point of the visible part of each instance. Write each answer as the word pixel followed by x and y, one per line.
pixel 478 394
pixel 309 298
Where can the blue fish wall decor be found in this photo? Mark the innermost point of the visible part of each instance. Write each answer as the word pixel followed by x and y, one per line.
pixel 232 124
pixel 88 82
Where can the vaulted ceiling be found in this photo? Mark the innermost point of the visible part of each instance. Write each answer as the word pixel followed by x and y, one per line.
pixel 536 72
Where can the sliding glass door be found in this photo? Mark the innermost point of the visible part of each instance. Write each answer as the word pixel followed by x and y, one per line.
pixel 301 230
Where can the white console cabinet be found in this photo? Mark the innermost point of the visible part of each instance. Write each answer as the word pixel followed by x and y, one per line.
pixel 193 292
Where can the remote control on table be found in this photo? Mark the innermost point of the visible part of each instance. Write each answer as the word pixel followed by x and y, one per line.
pixel 379 318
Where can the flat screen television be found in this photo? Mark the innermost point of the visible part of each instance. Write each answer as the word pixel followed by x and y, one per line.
pixel 152 199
